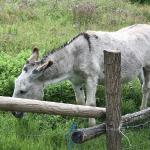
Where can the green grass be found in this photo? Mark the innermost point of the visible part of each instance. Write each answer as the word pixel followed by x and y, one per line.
pixel 38 132
pixel 40 23
pixel 47 25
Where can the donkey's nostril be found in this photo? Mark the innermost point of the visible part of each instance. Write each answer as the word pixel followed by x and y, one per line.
pixel 22 92
pixel 18 114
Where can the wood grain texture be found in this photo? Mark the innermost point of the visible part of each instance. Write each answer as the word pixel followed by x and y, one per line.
pixel 85 134
pixel 112 70
pixel 36 106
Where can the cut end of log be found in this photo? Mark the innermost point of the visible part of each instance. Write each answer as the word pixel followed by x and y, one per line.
pixel 112 51
pixel 77 137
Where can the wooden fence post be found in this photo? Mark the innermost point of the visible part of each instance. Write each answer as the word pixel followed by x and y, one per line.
pixel 112 70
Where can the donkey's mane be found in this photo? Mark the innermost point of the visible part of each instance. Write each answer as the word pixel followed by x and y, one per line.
pixel 86 36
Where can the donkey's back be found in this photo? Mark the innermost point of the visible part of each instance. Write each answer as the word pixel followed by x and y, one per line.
pixel 134 44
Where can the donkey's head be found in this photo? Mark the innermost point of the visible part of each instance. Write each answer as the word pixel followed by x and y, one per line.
pixel 30 82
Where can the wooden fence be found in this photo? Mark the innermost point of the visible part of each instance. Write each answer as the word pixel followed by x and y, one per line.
pixel 114 121
pixel 53 108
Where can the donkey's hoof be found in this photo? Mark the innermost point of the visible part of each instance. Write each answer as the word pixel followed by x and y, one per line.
pixel 92 122
pixel 143 107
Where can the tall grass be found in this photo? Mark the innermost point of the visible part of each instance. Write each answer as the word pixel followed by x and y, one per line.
pixel 24 23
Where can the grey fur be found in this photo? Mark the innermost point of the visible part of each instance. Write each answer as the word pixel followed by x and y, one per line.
pixel 82 62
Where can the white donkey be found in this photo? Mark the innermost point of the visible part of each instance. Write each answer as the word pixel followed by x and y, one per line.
pixel 82 62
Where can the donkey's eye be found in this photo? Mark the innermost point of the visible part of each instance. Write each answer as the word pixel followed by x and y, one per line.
pixel 22 92
pixel 25 69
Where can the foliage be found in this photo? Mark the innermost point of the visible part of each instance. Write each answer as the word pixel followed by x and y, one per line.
pixel 61 92
pixel 10 67
pixel 47 24
pixel 141 1
pixel 38 132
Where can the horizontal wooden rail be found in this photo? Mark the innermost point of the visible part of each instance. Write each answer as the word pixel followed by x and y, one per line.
pixel 36 106
pixel 85 134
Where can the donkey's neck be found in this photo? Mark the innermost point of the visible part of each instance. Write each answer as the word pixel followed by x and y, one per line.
pixel 62 65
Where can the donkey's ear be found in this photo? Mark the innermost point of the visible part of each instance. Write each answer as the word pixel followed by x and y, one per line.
pixel 43 67
pixel 34 56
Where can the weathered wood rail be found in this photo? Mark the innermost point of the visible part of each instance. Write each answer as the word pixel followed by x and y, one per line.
pixel 85 134
pixel 53 108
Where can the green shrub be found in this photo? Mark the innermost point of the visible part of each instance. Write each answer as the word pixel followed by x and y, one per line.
pixel 141 1
pixel 60 92
pixel 132 92
pixel 10 67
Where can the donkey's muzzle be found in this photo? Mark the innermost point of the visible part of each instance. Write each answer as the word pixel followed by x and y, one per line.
pixel 18 114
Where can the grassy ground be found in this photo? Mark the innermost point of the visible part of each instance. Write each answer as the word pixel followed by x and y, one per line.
pixel 47 25
pixel 41 132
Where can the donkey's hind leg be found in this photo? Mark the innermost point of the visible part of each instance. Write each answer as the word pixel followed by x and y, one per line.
pixel 145 87
pixel 141 77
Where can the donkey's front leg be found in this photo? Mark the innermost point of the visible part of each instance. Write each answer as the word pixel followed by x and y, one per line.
pixel 79 93
pixel 91 87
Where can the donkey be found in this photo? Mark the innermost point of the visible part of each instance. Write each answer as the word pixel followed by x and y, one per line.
pixel 82 62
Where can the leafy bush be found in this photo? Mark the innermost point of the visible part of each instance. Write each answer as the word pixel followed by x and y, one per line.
pixel 60 92
pixel 141 1
pixel 10 67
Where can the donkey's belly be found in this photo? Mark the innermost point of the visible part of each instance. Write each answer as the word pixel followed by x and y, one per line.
pixel 130 74
pixel 125 76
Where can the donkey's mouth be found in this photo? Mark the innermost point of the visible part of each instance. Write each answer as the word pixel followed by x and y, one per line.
pixel 18 114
